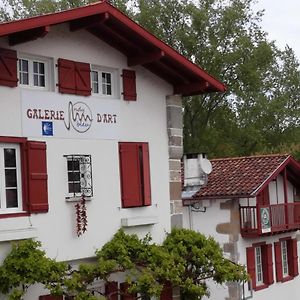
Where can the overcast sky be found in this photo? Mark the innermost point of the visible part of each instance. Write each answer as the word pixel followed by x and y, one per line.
pixel 282 21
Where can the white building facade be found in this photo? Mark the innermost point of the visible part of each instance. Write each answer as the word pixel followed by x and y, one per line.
pixel 89 107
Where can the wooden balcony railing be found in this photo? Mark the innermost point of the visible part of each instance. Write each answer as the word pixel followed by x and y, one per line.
pixel 263 219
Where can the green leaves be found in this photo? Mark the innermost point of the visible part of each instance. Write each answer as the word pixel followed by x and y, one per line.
pixel 186 259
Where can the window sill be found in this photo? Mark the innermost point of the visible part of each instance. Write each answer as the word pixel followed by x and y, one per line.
pixel 287 278
pixel 77 199
pixel 139 221
pixel 261 287
pixel 14 215
pixel 18 234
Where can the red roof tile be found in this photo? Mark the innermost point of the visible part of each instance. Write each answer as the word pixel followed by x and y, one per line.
pixel 241 176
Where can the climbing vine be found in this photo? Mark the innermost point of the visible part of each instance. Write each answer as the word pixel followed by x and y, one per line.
pixel 186 260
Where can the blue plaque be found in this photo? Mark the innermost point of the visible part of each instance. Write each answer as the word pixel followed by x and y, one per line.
pixel 47 128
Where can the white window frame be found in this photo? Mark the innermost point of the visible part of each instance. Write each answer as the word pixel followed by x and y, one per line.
pixel 114 82
pixel 284 258
pixel 259 275
pixel 4 209
pixel 47 69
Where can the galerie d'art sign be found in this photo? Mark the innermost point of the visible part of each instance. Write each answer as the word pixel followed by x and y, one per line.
pixel 67 116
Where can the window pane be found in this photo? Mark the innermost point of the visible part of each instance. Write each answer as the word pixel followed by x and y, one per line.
pixel 73 165
pixel 10 158
pixel 35 80
pixel 42 80
pixel 109 90
pixel 74 176
pixel 24 78
pixel 74 187
pixel 41 68
pixel 11 198
pixel 10 178
pixel 23 64
pixel 35 67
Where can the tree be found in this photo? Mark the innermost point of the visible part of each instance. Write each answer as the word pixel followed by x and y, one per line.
pixel 186 259
pixel 259 113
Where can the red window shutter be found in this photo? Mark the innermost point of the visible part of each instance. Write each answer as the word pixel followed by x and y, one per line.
pixel 250 252
pixel 37 176
pixel 124 293
pixel 130 175
pixel 111 290
pixel 8 68
pixel 146 174
pixel 278 261
pixel 66 76
pixel 267 262
pixel 292 257
pixel 167 292
pixel 83 79
pixel 129 85
pixel 50 297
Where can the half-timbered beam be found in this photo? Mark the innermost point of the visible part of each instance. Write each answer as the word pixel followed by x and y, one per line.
pixel 145 58
pixel 27 35
pixel 88 22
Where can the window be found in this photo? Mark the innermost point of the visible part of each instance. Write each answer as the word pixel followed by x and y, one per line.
pixel 260 265
pixel 23 167
pixel 79 169
pixel 103 82
pixel 135 174
pixel 33 73
pixel 10 178
pixel 286 259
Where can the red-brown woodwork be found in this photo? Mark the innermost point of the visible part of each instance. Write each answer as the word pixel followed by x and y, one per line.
pixel 111 290
pixel 135 174
pixel 167 292
pixel 129 85
pixel 125 295
pixel 8 68
pixel 50 297
pixel 37 177
pixel 292 257
pixel 278 261
pixel 74 77
pixel 250 253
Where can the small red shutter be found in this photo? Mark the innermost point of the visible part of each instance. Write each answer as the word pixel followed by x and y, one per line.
pixel 49 297
pixel 111 290
pixel 130 175
pixel 250 252
pixel 146 174
pixel 8 68
pixel 267 262
pixel 83 79
pixel 37 177
pixel 166 293
pixel 66 76
pixel 292 257
pixel 278 261
pixel 129 85
pixel 124 294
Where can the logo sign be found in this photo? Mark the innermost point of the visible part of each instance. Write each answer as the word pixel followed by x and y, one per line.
pixel 265 219
pixel 70 116
pixel 47 128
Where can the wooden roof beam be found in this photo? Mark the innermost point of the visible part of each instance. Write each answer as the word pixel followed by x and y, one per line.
pixel 145 58
pixel 192 88
pixel 28 35
pixel 87 22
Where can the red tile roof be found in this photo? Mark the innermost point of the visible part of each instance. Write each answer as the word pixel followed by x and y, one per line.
pixel 243 176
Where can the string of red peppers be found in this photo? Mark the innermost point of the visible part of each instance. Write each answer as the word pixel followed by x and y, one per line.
pixel 81 217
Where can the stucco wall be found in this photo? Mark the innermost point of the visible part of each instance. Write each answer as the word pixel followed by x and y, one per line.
pixel 143 120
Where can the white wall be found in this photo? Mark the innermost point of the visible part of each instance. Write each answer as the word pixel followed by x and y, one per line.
pixel 143 120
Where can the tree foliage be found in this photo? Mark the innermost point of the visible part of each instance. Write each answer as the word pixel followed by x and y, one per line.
pixel 186 259
pixel 260 112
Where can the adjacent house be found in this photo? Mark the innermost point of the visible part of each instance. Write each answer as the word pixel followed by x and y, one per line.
pixel 251 206
pixel 90 107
